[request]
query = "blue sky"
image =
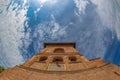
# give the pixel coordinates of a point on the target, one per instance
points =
(27, 24)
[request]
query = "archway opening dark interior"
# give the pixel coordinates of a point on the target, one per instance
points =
(73, 59)
(58, 60)
(59, 50)
(43, 58)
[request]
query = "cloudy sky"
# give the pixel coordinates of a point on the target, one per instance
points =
(26, 24)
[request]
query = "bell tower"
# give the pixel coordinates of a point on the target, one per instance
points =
(62, 61)
(60, 57)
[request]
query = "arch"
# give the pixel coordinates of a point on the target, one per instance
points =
(57, 60)
(72, 58)
(59, 50)
(43, 58)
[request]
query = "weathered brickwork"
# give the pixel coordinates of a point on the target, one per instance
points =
(61, 61)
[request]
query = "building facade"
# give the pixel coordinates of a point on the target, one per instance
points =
(61, 61)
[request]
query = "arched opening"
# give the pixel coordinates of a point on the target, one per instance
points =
(59, 50)
(58, 60)
(43, 58)
(73, 59)
(57, 64)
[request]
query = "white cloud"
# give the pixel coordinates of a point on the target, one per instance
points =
(109, 13)
(53, 30)
(11, 27)
(81, 5)
(3, 4)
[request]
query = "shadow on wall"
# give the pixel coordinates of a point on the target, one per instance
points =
(113, 52)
